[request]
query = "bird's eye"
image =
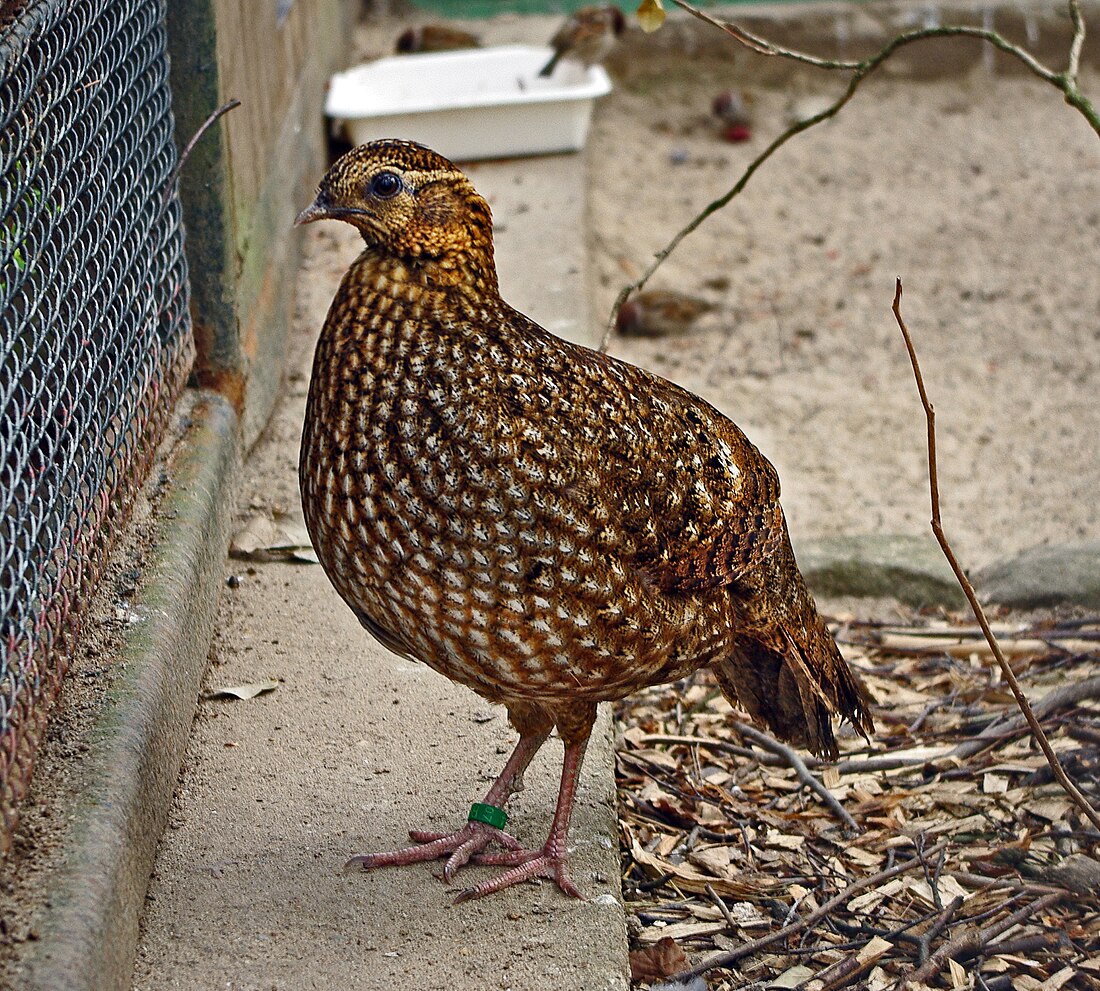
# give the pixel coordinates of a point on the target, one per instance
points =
(385, 185)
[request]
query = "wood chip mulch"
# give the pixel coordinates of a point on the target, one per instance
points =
(943, 856)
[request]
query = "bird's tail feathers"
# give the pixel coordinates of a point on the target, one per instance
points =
(550, 66)
(795, 685)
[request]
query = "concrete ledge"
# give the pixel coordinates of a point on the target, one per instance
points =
(89, 934)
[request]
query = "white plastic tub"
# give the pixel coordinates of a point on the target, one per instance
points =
(481, 103)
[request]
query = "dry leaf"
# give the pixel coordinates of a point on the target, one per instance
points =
(713, 859)
(874, 950)
(282, 538)
(1051, 809)
(680, 930)
(663, 959)
(651, 15)
(792, 977)
(687, 878)
(690, 984)
(243, 692)
(1055, 981)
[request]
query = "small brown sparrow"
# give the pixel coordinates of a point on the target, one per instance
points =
(587, 36)
(660, 313)
(435, 38)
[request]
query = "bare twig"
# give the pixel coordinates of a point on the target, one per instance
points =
(1027, 945)
(939, 923)
(722, 907)
(779, 755)
(1009, 882)
(190, 146)
(968, 590)
(730, 957)
(973, 941)
(1065, 695)
(1065, 81)
(805, 775)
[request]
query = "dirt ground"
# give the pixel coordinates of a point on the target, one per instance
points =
(981, 193)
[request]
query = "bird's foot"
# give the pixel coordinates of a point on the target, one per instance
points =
(526, 866)
(459, 847)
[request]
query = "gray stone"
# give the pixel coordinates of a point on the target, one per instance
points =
(909, 568)
(1051, 575)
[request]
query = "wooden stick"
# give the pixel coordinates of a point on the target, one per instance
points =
(968, 590)
(805, 775)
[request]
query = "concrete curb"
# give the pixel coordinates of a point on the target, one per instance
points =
(89, 935)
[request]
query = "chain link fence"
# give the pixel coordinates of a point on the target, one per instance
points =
(95, 338)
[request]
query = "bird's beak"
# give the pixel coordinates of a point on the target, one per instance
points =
(322, 209)
(317, 210)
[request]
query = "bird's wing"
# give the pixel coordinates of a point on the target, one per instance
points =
(704, 499)
(695, 503)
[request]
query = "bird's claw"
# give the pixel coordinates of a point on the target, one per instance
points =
(459, 847)
(535, 864)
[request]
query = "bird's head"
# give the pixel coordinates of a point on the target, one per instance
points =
(410, 203)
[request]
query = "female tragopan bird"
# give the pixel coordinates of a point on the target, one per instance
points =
(541, 522)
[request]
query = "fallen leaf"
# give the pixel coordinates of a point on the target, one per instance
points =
(281, 538)
(681, 930)
(243, 692)
(691, 984)
(713, 859)
(874, 950)
(651, 15)
(688, 878)
(663, 959)
(792, 977)
(1055, 981)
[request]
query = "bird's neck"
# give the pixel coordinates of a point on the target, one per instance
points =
(468, 272)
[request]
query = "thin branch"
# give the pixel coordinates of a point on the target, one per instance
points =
(805, 775)
(973, 941)
(722, 907)
(859, 70)
(941, 922)
(1078, 42)
(190, 146)
(768, 48)
(994, 733)
(731, 957)
(968, 590)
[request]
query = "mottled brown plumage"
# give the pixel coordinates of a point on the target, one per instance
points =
(541, 522)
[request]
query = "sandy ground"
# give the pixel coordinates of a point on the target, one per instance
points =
(981, 193)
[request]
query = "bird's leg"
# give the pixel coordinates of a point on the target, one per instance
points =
(550, 861)
(474, 836)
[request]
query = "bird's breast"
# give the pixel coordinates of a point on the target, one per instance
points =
(450, 498)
